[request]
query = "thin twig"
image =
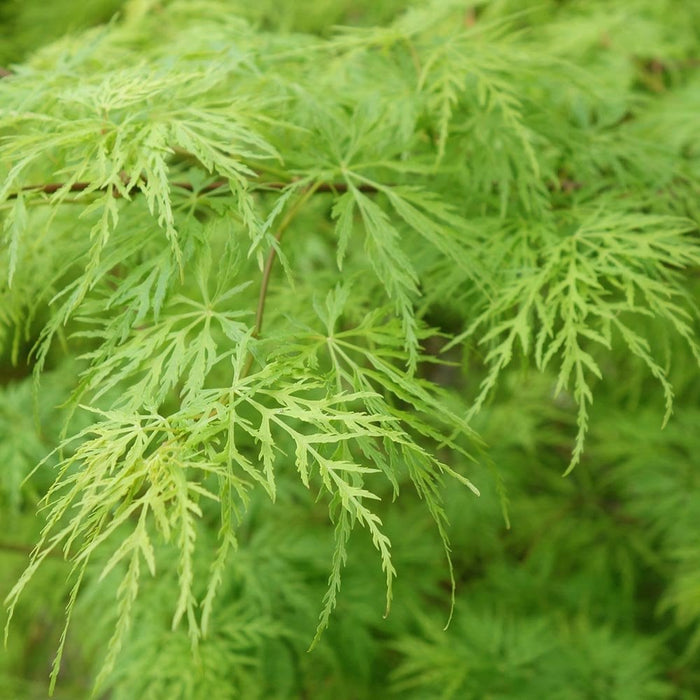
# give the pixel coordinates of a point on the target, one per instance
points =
(269, 264)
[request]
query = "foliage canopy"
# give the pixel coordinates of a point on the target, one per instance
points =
(291, 282)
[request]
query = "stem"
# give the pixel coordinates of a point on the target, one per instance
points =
(269, 264)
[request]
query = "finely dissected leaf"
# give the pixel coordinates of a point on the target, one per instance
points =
(15, 223)
(608, 271)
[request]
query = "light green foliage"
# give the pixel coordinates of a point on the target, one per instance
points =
(315, 312)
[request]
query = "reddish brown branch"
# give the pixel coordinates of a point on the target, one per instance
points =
(53, 187)
(270, 262)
